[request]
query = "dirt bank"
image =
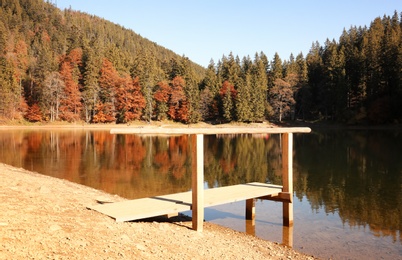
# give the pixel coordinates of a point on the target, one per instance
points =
(44, 217)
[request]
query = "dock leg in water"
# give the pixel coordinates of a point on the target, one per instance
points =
(250, 209)
(287, 176)
(197, 157)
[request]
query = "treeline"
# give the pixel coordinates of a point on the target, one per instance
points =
(70, 66)
(358, 78)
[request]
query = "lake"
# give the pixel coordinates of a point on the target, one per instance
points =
(347, 183)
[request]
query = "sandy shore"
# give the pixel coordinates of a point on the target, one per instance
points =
(44, 217)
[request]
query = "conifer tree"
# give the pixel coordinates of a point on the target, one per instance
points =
(259, 89)
(243, 102)
(315, 75)
(90, 88)
(209, 95)
(276, 71)
(227, 95)
(10, 93)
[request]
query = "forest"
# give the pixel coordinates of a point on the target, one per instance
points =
(65, 65)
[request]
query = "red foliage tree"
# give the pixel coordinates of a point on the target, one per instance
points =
(226, 86)
(21, 60)
(178, 105)
(161, 96)
(104, 113)
(108, 80)
(130, 101)
(71, 105)
(162, 93)
(33, 113)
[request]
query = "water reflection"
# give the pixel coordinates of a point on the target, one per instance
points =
(355, 175)
(134, 166)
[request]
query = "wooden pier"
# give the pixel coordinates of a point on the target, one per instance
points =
(198, 198)
(173, 203)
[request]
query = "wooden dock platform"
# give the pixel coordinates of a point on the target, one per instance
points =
(199, 198)
(179, 202)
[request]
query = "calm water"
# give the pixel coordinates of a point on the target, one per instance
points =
(348, 184)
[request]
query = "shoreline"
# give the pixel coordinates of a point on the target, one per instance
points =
(47, 217)
(171, 124)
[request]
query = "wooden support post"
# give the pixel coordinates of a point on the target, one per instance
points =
(197, 208)
(287, 236)
(250, 227)
(250, 209)
(250, 216)
(287, 176)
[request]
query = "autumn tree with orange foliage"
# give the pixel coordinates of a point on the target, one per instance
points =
(130, 101)
(71, 105)
(33, 113)
(281, 98)
(161, 97)
(20, 60)
(178, 104)
(106, 108)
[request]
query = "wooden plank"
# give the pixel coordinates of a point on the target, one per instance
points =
(179, 202)
(238, 192)
(140, 208)
(209, 130)
(228, 194)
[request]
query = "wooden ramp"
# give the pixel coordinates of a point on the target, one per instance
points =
(178, 202)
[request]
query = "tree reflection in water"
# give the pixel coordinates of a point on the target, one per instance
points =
(355, 174)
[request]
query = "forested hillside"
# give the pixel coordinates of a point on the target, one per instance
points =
(70, 66)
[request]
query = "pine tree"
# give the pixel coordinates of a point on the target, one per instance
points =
(210, 86)
(244, 90)
(259, 83)
(276, 71)
(90, 88)
(227, 95)
(315, 76)
(373, 51)
(303, 90)
(6, 77)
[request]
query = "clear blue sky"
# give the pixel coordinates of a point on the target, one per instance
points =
(207, 29)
